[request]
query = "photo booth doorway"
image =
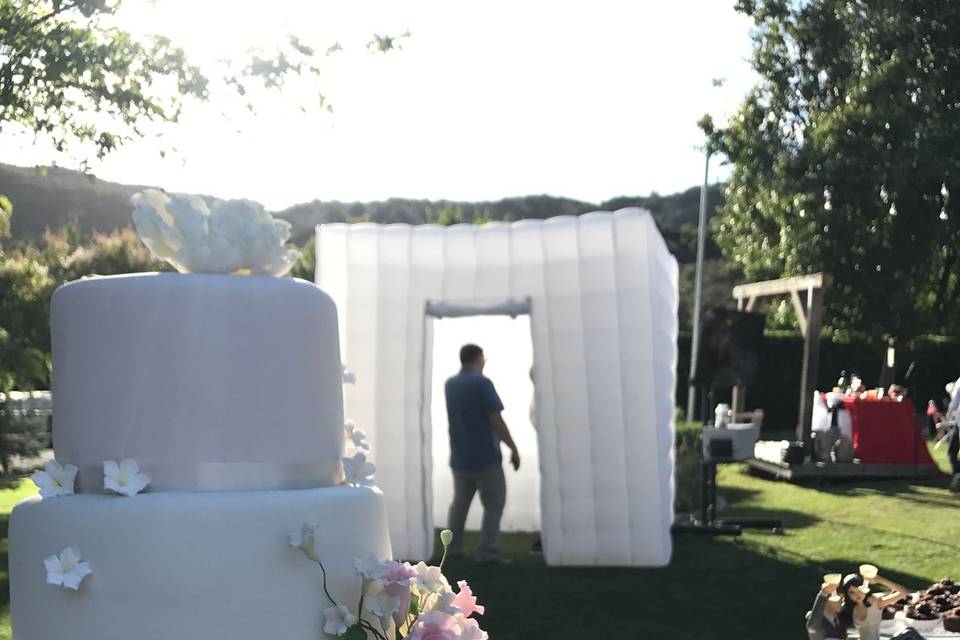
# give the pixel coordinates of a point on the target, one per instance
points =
(508, 349)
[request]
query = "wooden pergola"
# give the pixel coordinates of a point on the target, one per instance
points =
(806, 294)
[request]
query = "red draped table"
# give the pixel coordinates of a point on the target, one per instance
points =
(885, 431)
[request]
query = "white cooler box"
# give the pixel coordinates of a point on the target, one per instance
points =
(743, 437)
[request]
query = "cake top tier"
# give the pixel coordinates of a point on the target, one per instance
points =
(209, 381)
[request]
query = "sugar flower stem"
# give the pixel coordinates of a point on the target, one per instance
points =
(369, 627)
(365, 624)
(443, 558)
(327, 593)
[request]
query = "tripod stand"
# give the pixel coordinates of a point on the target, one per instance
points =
(719, 451)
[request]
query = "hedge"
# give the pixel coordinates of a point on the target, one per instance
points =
(777, 387)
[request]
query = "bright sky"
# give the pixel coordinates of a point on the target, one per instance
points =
(588, 100)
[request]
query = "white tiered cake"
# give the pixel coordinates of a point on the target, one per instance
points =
(227, 392)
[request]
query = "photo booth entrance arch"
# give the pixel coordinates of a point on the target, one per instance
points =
(508, 348)
(602, 296)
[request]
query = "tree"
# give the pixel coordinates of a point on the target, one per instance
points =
(306, 266)
(105, 255)
(844, 157)
(68, 75)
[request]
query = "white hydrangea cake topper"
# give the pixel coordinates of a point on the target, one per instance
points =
(55, 480)
(124, 478)
(67, 570)
(227, 236)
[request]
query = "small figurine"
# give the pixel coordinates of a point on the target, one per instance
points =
(823, 620)
(863, 609)
(897, 392)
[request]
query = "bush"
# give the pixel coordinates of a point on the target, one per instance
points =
(686, 470)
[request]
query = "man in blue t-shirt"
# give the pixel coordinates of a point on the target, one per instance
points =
(476, 431)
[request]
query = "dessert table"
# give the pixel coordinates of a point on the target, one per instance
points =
(890, 628)
(885, 431)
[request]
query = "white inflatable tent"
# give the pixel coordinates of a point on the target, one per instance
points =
(601, 291)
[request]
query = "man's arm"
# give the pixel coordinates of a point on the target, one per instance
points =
(954, 400)
(815, 617)
(498, 425)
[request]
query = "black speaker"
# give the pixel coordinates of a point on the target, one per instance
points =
(729, 350)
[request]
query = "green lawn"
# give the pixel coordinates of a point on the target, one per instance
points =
(8, 498)
(755, 587)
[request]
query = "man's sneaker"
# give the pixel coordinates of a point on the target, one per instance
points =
(955, 483)
(537, 546)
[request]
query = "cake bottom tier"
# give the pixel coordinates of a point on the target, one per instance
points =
(191, 566)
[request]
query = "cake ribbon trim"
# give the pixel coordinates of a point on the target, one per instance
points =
(225, 476)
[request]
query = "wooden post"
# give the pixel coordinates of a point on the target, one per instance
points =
(811, 362)
(739, 393)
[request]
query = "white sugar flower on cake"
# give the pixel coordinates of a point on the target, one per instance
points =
(67, 570)
(356, 435)
(337, 620)
(383, 606)
(357, 471)
(442, 601)
(55, 480)
(370, 567)
(306, 540)
(232, 236)
(416, 599)
(124, 478)
(429, 578)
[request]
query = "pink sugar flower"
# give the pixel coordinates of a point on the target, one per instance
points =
(466, 601)
(397, 573)
(434, 625)
(397, 579)
(471, 629)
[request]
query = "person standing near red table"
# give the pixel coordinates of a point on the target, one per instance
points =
(953, 448)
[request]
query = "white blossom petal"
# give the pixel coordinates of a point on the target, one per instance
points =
(124, 478)
(357, 471)
(370, 567)
(306, 540)
(429, 578)
(66, 570)
(382, 606)
(443, 602)
(55, 480)
(52, 564)
(129, 467)
(337, 620)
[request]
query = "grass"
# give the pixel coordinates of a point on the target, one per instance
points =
(757, 586)
(8, 498)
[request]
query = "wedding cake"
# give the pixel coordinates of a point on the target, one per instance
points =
(198, 420)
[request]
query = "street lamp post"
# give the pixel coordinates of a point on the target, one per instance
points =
(697, 286)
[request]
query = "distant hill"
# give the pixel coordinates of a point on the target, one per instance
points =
(60, 196)
(51, 200)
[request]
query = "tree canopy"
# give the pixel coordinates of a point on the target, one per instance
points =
(67, 75)
(844, 158)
